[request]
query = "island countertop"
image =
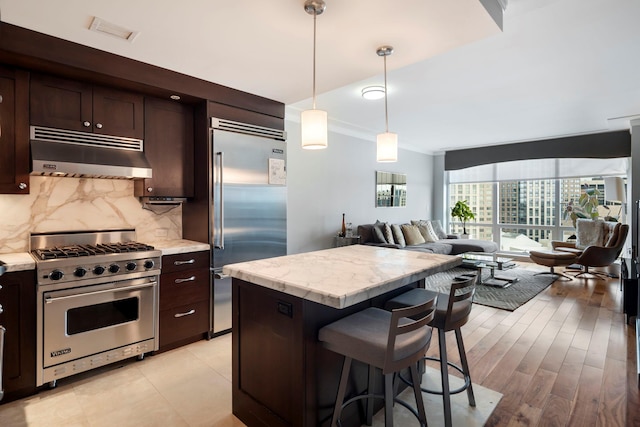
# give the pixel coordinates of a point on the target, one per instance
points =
(344, 276)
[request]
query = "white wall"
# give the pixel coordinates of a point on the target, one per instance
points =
(324, 184)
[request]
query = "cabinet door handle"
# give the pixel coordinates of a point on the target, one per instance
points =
(188, 313)
(188, 279)
(191, 261)
(1, 309)
(22, 185)
(99, 125)
(86, 124)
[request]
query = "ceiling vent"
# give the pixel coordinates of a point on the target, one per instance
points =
(102, 26)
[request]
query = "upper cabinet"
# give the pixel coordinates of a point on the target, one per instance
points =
(14, 131)
(168, 145)
(73, 105)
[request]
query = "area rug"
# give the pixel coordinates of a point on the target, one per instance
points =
(527, 287)
(461, 413)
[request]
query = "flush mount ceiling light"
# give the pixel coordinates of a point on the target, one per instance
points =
(373, 92)
(387, 142)
(101, 26)
(313, 123)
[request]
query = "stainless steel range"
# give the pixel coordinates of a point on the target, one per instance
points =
(97, 300)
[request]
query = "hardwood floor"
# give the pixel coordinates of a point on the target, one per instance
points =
(566, 358)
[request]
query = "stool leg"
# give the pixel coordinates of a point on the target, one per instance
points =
(415, 379)
(370, 391)
(444, 373)
(465, 366)
(342, 388)
(388, 400)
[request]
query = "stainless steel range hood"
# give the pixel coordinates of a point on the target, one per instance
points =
(57, 152)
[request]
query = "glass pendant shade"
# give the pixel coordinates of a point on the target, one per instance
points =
(387, 147)
(314, 129)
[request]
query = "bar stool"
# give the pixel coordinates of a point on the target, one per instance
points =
(390, 341)
(452, 312)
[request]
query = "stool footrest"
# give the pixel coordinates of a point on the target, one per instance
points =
(467, 379)
(379, 396)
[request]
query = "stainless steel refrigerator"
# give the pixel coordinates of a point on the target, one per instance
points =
(248, 204)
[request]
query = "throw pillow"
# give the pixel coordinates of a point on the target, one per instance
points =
(431, 232)
(439, 230)
(378, 235)
(398, 236)
(388, 234)
(412, 234)
(426, 230)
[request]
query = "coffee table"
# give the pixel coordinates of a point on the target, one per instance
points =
(480, 260)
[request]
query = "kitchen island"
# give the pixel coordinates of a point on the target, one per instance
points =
(282, 376)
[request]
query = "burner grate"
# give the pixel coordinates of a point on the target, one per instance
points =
(89, 250)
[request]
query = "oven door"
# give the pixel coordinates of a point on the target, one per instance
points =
(83, 321)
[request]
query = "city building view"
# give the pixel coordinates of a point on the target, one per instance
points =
(524, 215)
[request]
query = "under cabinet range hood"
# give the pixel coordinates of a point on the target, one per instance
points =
(58, 152)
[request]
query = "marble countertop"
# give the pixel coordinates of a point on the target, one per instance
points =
(180, 246)
(341, 277)
(20, 261)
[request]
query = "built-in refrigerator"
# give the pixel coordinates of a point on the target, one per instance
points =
(248, 204)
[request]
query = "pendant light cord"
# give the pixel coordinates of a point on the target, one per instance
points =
(314, 59)
(386, 114)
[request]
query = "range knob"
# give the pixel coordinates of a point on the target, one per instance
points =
(131, 266)
(149, 264)
(80, 272)
(114, 268)
(98, 269)
(56, 275)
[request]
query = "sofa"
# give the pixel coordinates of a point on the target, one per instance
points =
(420, 235)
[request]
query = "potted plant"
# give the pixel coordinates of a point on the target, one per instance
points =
(587, 206)
(463, 212)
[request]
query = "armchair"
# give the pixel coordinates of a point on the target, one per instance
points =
(598, 254)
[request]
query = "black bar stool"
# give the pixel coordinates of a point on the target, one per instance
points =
(452, 312)
(390, 341)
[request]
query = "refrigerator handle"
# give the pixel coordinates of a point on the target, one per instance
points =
(220, 243)
(2, 331)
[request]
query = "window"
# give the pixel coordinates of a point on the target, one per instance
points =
(528, 214)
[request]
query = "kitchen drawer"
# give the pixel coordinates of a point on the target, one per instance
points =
(184, 287)
(176, 329)
(186, 261)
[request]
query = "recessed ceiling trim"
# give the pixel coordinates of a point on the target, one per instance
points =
(99, 25)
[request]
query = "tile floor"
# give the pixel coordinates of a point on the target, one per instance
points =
(189, 386)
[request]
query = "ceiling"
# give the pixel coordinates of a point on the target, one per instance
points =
(559, 67)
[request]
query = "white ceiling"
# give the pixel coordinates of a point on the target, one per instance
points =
(560, 67)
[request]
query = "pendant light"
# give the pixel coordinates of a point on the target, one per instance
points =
(314, 122)
(387, 142)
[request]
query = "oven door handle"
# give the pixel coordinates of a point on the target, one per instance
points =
(49, 300)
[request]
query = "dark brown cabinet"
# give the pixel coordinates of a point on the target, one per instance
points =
(168, 145)
(184, 299)
(14, 131)
(18, 316)
(78, 106)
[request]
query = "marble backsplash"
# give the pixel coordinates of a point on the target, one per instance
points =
(72, 204)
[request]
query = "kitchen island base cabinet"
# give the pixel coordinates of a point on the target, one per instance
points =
(282, 375)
